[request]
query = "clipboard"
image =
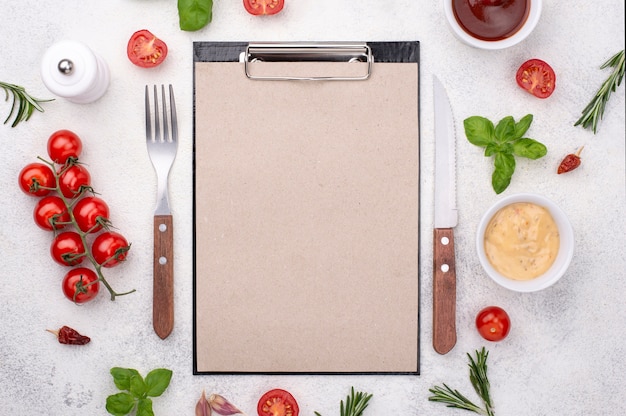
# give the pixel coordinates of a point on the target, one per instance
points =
(306, 208)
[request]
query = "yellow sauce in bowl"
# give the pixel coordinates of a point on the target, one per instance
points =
(522, 241)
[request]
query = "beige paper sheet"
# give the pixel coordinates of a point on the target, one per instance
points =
(306, 221)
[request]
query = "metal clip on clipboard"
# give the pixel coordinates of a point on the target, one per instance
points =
(308, 52)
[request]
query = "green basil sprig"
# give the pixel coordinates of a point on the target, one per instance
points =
(137, 391)
(503, 141)
(194, 14)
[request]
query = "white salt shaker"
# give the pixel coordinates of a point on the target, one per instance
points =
(71, 70)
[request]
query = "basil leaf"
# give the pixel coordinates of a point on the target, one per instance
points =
(144, 407)
(121, 377)
(504, 167)
(503, 141)
(529, 148)
(138, 387)
(505, 130)
(120, 404)
(194, 14)
(157, 381)
(479, 130)
(491, 149)
(522, 126)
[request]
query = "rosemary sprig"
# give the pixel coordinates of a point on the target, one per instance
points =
(452, 398)
(592, 114)
(355, 404)
(478, 378)
(480, 382)
(23, 104)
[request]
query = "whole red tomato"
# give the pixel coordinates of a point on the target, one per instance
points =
(73, 180)
(277, 402)
(110, 248)
(263, 7)
(91, 213)
(80, 285)
(67, 249)
(50, 213)
(64, 144)
(36, 179)
(493, 323)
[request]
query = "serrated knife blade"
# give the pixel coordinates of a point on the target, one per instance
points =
(445, 219)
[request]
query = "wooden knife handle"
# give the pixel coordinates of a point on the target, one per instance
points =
(444, 290)
(163, 285)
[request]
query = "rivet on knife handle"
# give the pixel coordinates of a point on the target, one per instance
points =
(444, 290)
(163, 289)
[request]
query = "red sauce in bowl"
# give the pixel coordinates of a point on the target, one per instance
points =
(491, 20)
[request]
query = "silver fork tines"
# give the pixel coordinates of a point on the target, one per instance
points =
(161, 145)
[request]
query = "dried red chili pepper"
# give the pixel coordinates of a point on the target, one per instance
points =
(571, 162)
(67, 335)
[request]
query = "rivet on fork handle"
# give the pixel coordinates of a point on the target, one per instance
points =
(163, 269)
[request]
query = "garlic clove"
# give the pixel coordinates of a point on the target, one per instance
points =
(222, 406)
(202, 407)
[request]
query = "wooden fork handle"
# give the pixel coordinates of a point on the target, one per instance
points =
(163, 285)
(444, 290)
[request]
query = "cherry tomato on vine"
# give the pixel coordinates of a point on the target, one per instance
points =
(109, 249)
(536, 77)
(64, 144)
(35, 177)
(263, 7)
(80, 285)
(74, 180)
(493, 323)
(67, 249)
(146, 50)
(91, 213)
(277, 402)
(50, 213)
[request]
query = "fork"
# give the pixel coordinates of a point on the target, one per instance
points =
(162, 151)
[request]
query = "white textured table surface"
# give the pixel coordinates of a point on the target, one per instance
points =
(565, 354)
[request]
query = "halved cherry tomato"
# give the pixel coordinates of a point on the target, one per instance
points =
(74, 180)
(493, 323)
(91, 213)
(34, 178)
(80, 285)
(536, 77)
(109, 249)
(261, 7)
(277, 402)
(67, 249)
(146, 50)
(50, 213)
(64, 144)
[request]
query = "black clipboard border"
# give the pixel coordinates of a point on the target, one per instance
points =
(383, 51)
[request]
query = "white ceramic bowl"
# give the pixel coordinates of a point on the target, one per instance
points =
(563, 258)
(533, 18)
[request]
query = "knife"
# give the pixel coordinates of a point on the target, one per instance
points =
(444, 270)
